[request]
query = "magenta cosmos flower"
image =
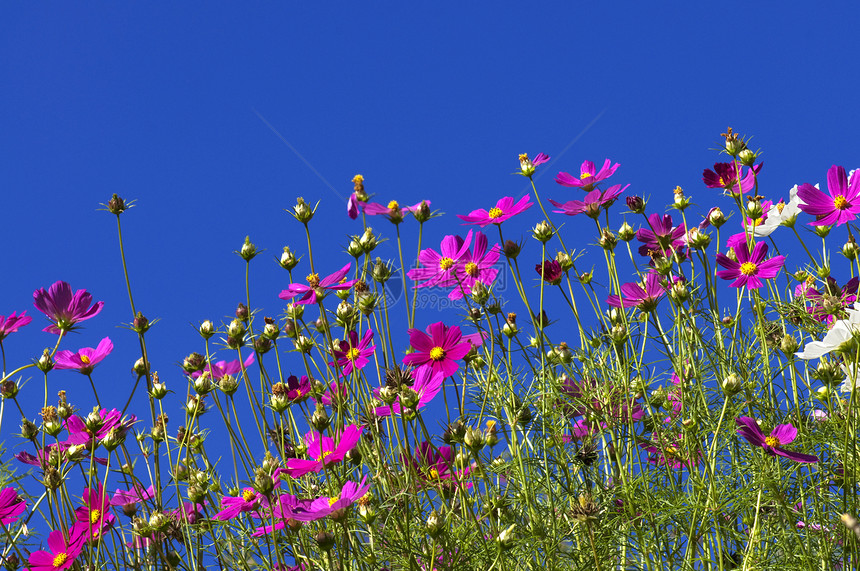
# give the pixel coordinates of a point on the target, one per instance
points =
(840, 206)
(750, 268)
(504, 209)
(550, 271)
(321, 507)
(323, 451)
(634, 295)
(94, 517)
(592, 203)
(86, 359)
(725, 176)
(11, 506)
(393, 210)
(435, 464)
(352, 206)
(64, 308)
(426, 384)
(661, 237)
(12, 323)
(442, 268)
(527, 165)
(317, 287)
(132, 496)
(588, 177)
(438, 349)
(298, 389)
(223, 368)
(780, 436)
(109, 421)
(477, 266)
(61, 556)
(354, 354)
(829, 305)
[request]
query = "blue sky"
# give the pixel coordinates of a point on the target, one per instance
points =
(177, 107)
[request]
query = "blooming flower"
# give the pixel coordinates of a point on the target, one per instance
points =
(780, 214)
(439, 348)
(223, 368)
(11, 506)
(841, 205)
(661, 237)
(426, 384)
(504, 209)
(592, 203)
(435, 464)
(94, 517)
(843, 330)
(832, 302)
(671, 452)
(63, 308)
(248, 500)
(393, 210)
(132, 496)
(354, 354)
(317, 287)
(12, 323)
(108, 421)
(527, 166)
(477, 266)
(86, 359)
(750, 268)
(324, 451)
(321, 507)
(780, 436)
(725, 176)
(442, 269)
(298, 389)
(634, 295)
(62, 554)
(587, 177)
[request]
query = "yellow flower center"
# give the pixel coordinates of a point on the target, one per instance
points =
(584, 175)
(472, 269)
(671, 452)
(95, 515)
(748, 268)
(840, 202)
(772, 441)
(358, 178)
(524, 157)
(495, 212)
(445, 263)
(313, 280)
(779, 206)
(434, 473)
(353, 354)
(331, 501)
(59, 559)
(85, 360)
(393, 205)
(437, 353)
(248, 494)
(326, 454)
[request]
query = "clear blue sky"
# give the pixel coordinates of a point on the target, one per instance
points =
(163, 104)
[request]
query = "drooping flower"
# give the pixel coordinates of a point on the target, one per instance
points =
(551, 271)
(62, 555)
(393, 211)
(12, 323)
(324, 451)
(725, 176)
(593, 202)
(63, 308)
(780, 436)
(439, 348)
(86, 359)
(504, 209)
(477, 266)
(527, 166)
(223, 368)
(662, 237)
(11, 506)
(317, 287)
(445, 268)
(841, 205)
(635, 295)
(354, 354)
(588, 176)
(426, 385)
(321, 507)
(750, 268)
(352, 206)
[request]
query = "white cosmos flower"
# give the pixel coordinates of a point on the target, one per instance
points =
(850, 382)
(780, 214)
(843, 330)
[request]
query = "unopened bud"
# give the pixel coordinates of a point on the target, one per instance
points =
(302, 212)
(248, 250)
(288, 260)
(626, 232)
(140, 367)
(45, 362)
(542, 231)
(207, 329)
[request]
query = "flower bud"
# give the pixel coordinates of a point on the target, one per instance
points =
(480, 293)
(354, 248)
(788, 345)
(304, 344)
(52, 478)
(821, 231)
(368, 241)
(140, 324)
(607, 240)
(195, 406)
(271, 329)
(511, 249)
(747, 157)
(319, 419)
(679, 292)
(716, 217)
(636, 204)
(681, 202)
(29, 430)
(473, 438)
(732, 385)
(248, 250)
(422, 213)
(388, 395)
(140, 367)
(367, 303)
(228, 384)
(626, 232)
(325, 540)
(506, 537)
(45, 362)
(408, 397)
(619, 334)
(159, 521)
(302, 212)
(754, 209)
(542, 232)
(288, 260)
(159, 389)
(116, 205)
(381, 272)
(697, 239)
(207, 329)
(434, 524)
(850, 250)
(202, 384)
(236, 329)
(9, 389)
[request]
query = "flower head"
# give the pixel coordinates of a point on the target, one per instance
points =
(62, 555)
(63, 308)
(223, 368)
(843, 330)
(86, 359)
(725, 176)
(321, 507)
(442, 268)
(11, 506)
(527, 166)
(662, 237)
(593, 202)
(841, 205)
(780, 436)
(324, 451)
(426, 384)
(439, 348)
(635, 295)
(435, 465)
(550, 271)
(750, 268)
(588, 176)
(504, 209)
(12, 323)
(393, 211)
(477, 266)
(354, 354)
(316, 287)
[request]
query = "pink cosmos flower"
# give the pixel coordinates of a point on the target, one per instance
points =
(445, 268)
(527, 166)
(393, 211)
(593, 202)
(284, 509)
(504, 209)
(321, 507)
(352, 206)
(435, 464)
(94, 518)
(249, 500)
(550, 270)
(477, 267)
(587, 177)
(426, 384)
(12, 323)
(334, 389)
(438, 349)
(634, 295)
(841, 205)
(62, 554)
(780, 436)
(670, 451)
(354, 354)
(662, 237)
(750, 268)
(725, 176)
(132, 496)
(830, 304)
(11, 506)
(86, 359)
(298, 389)
(317, 287)
(80, 434)
(63, 308)
(323, 451)
(221, 369)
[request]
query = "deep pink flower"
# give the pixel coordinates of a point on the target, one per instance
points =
(249, 500)
(527, 166)
(11, 506)
(439, 348)
(840, 206)
(94, 517)
(393, 211)
(352, 206)
(587, 176)
(298, 389)
(62, 554)
(644, 298)
(321, 507)
(12, 323)
(334, 389)
(750, 268)
(445, 268)
(477, 265)
(63, 308)
(110, 420)
(725, 176)
(504, 209)
(426, 384)
(830, 304)
(550, 270)
(435, 464)
(285, 508)
(86, 359)
(323, 451)
(132, 496)
(221, 369)
(354, 354)
(317, 287)
(593, 202)
(780, 436)
(670, 451)
(662, 237)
